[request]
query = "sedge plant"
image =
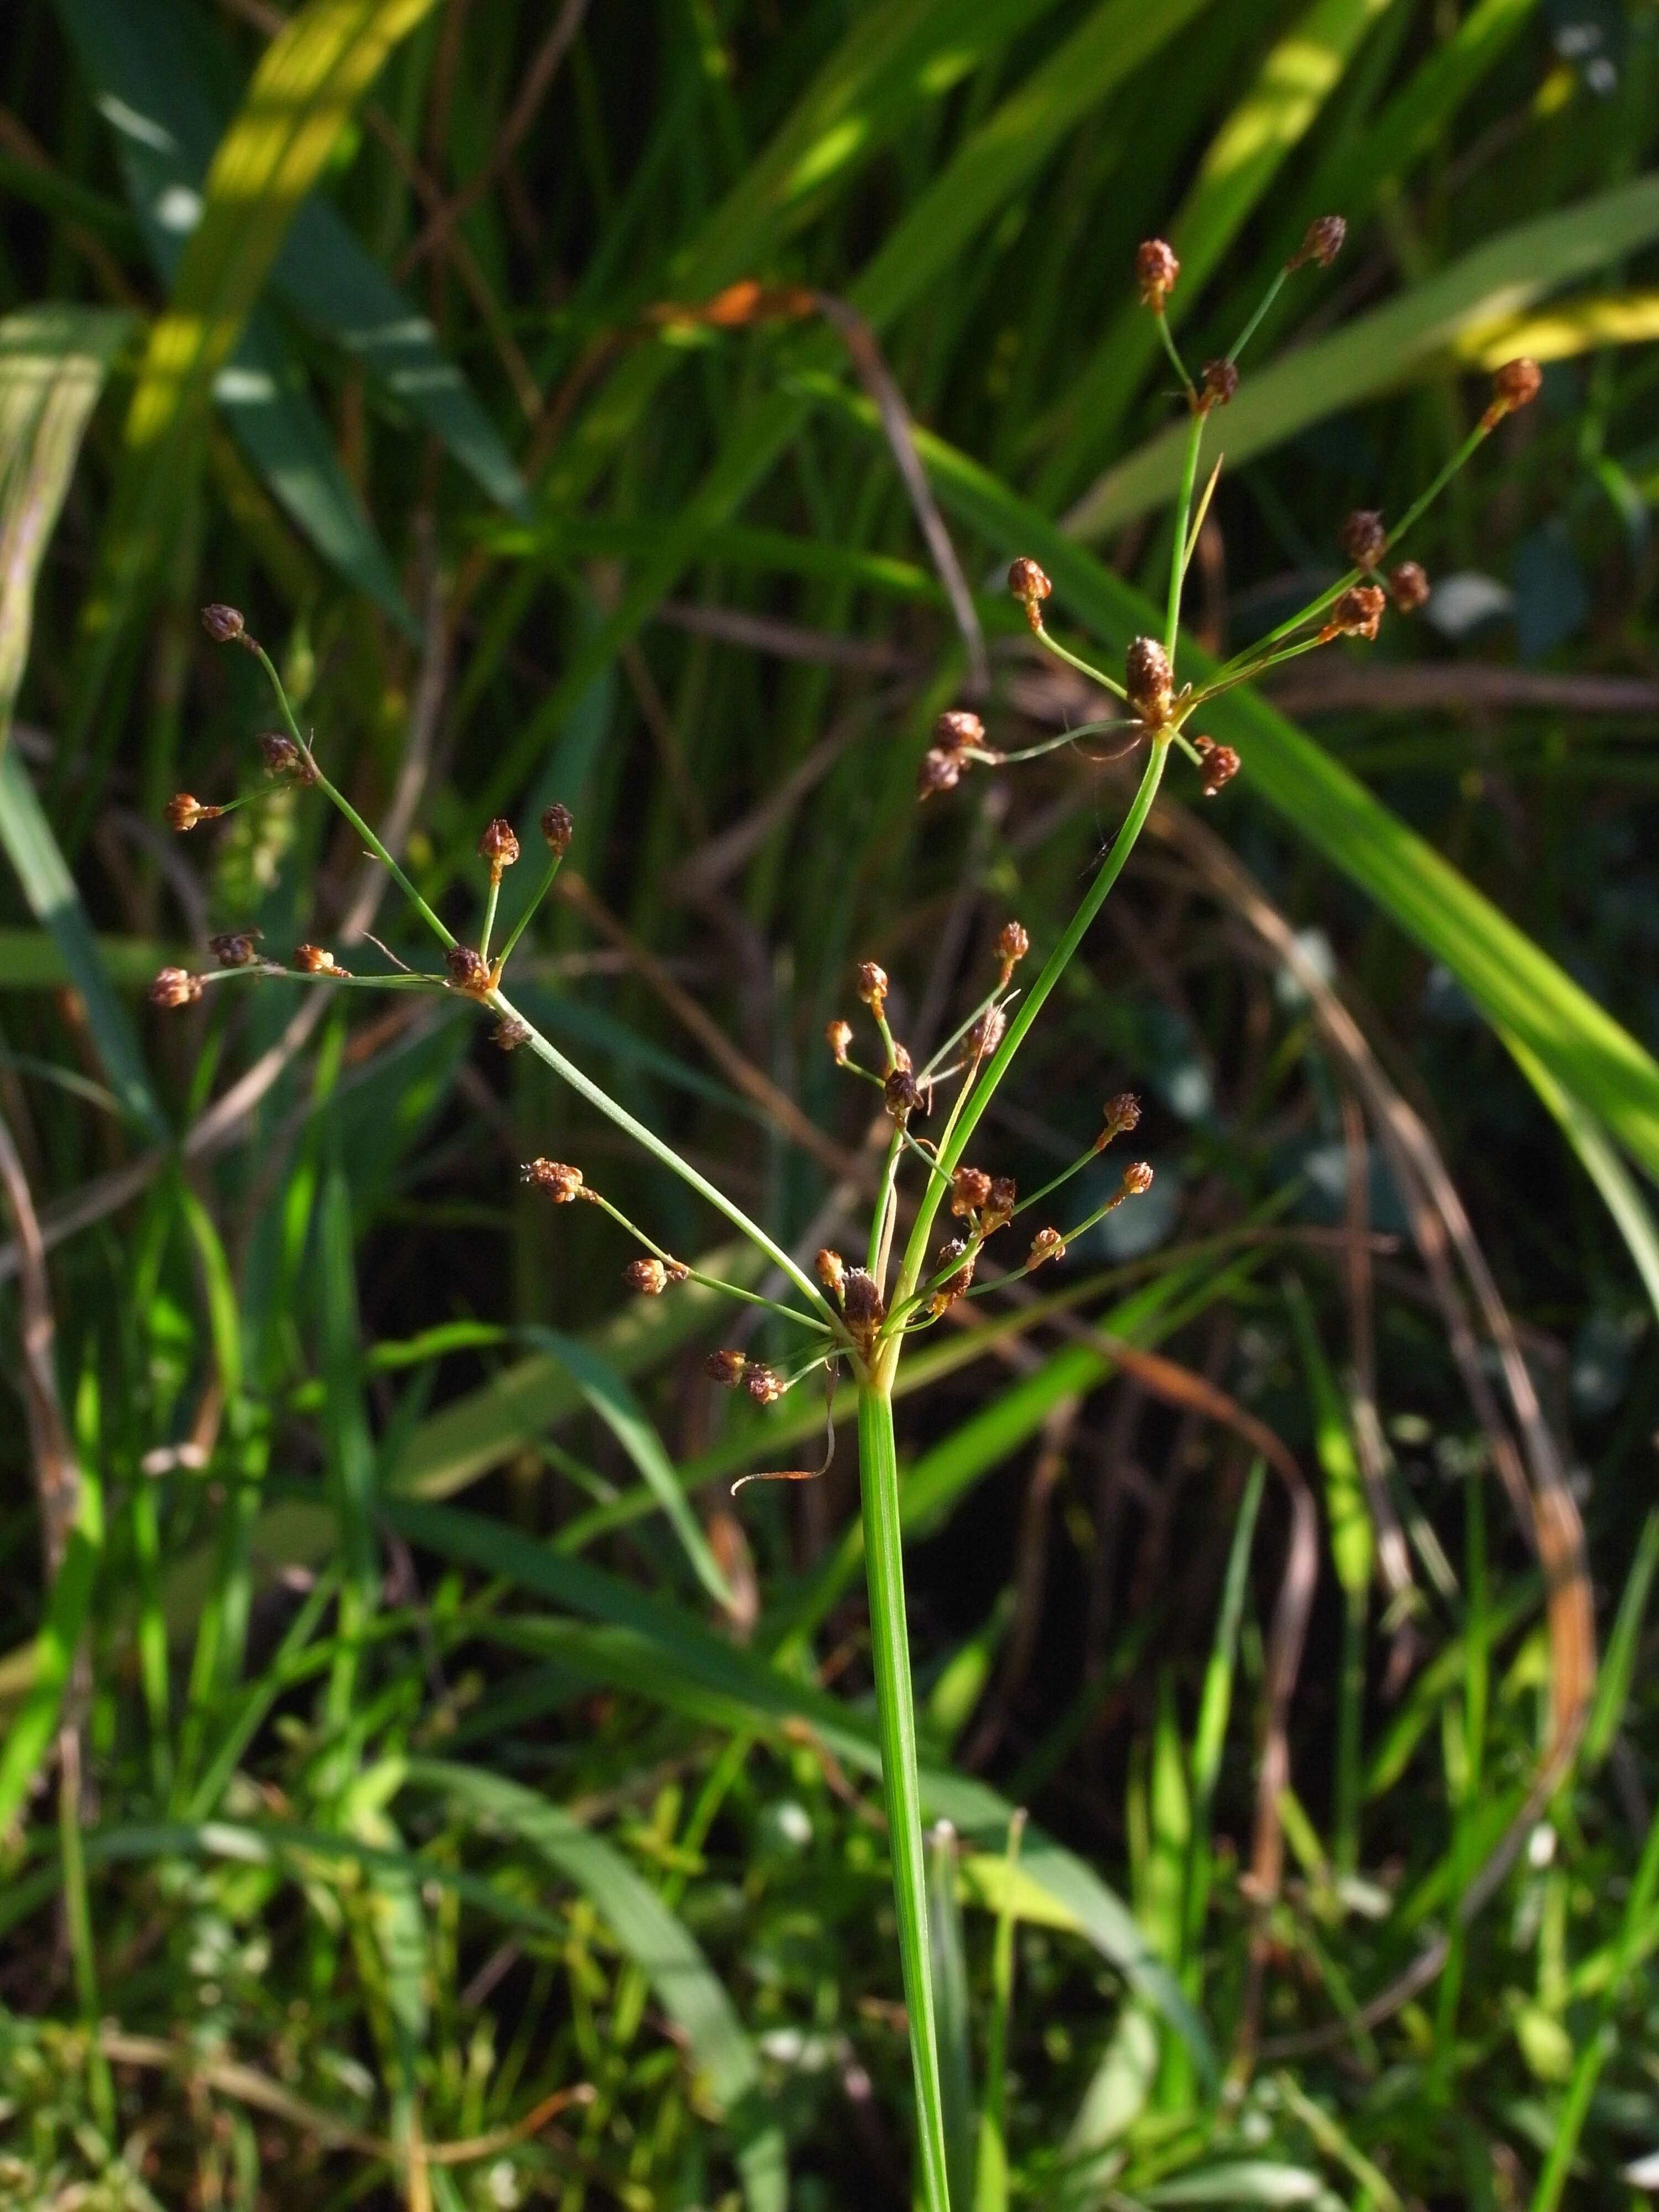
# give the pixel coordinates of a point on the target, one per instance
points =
(860, 1315)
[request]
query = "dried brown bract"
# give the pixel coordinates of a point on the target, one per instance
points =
(832, 1271)
(558, 828)
(1119, 1116)
(184, 812)
(838, 1036)
(763, 1385)
(987, 1033)
(1363, 538)
(1137, 1179)
(648, 1276)
(1047, 1244)
(509, 1033)
(1357, 613)
(871, 982)
(1014, 943)
(970, 1189)
(863, 1305)
(940, 771)
(1149, 680)
(956, 1286)
(726, 1368)
(315, 960)
(902, 1095)
(999, 1209)
(224, 624)
(499, 846)
(959, 728)
(1217, 383)
(1219, 765)
(561, 1184)
(1322, 241)
(1156, 271)
(175, 986)
(1030, 587)
(1409, 586)
(282, 756)
(468, 970)
(236, 948)
(1515, 386)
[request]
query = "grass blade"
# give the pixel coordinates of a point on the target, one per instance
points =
(657, 1942)
(951, 2001)
(55, 1647)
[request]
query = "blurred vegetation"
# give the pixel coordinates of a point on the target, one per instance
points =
(391, 1816)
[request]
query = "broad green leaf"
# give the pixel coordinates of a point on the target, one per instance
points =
(54, 362)
(610, 1398)
(662, 1653)
(1519, 988)
(1243, 2183)
(299, 101)
(654, 1939)
(1412, 335)
(167, 90)
(1297, 76)
(1583, 324)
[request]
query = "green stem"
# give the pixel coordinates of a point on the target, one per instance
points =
(1183, 512)
(1173, 352)
(896, 1714)
(523, 920)
(491, 902)
(953, 1147)
(1045, 638)
(1254, 323)
(695, 1274)
(665, 1153)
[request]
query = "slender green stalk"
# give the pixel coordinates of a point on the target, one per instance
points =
(1173, 352)
(896, 1716)
(648, 1139)
(953, 1147)
(1182, 513)
(77, 1922)
(990, 2174)
(492, 900)
(528, 913)
(1047, 638)
(1254, 323)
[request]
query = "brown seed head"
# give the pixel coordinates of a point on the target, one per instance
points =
(1322, 241)
(1136, 1178)
(953, 1286)
(237, 948)
(1029, 586)
(184, 812)
(832, 1271)
(1047, 1244)
(903, 1094)
(761, 1384)
(1515, 386)
(648, 1276)
(281, 755)
(1409, 586)
(1118, 1116)
(562, 1184)
(959, 728)
(1012, 945)
(725, 1367)
(510, 1033)
(838, 1036)
(558, 826)
(1363, 538)
(314, 960)
(1357, 613)
(1148, 679)
(1156, 271)
(224, 624)
(862, 1303)
(469, 971)
(986, 1034)
(940, 771)
(970, 1189)
(175, 986)
(499, 846)
(1217, 384)
(871, 985)
(1221, 765)
(999, 1208)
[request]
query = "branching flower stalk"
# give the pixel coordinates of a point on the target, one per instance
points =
(861, 1317)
